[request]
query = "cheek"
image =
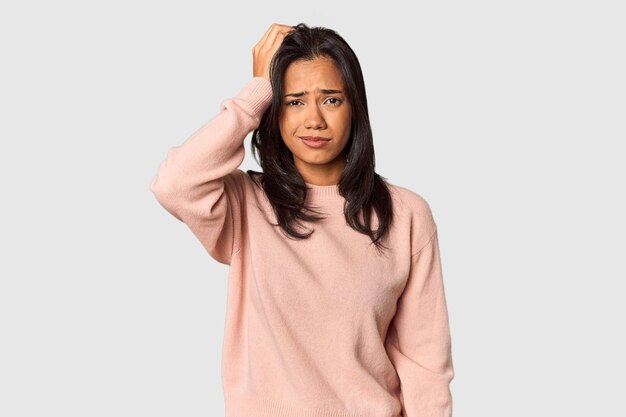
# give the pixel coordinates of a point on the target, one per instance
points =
(344, 122)
(286, 126)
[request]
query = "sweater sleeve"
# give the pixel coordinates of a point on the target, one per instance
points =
(199, 182)
(418, 341)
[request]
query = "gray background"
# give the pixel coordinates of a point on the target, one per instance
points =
(508, 117)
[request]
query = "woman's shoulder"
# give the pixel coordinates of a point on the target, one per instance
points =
(409, 201)
(254, 192)
(414, 212)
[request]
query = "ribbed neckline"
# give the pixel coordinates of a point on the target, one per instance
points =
(323, 192)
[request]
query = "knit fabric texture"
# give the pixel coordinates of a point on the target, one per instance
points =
(319, 327)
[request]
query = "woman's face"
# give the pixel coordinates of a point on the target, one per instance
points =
(310, 108)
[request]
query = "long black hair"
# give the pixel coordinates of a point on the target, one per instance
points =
(363, 189)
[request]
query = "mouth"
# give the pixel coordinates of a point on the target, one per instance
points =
(314, 141)
(313, 138)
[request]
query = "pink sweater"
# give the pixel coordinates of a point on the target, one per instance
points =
(321, 327)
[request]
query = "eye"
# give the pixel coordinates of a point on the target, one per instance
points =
(298, 102)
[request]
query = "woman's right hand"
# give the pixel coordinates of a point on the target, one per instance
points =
(264, 50)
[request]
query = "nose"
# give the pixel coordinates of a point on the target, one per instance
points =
(314, 118)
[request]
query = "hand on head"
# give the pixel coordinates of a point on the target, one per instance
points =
(264, 50)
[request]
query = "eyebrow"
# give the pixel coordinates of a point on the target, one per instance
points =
(323, 91)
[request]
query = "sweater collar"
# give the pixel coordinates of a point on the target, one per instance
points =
(323, 192)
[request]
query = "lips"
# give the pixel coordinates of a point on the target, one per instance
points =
(314, 142)
(314, 138)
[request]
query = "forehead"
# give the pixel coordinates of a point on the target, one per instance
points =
(312, 75)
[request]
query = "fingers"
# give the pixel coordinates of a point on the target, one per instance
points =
(264, 50)
(272, 33)
(265, 35)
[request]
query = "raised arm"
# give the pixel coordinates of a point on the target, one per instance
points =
(199, 182)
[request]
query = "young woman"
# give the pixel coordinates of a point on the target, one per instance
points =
(336, 304)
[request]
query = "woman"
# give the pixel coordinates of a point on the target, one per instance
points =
(336, 303)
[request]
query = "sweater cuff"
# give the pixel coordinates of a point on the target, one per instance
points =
(257, 94)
